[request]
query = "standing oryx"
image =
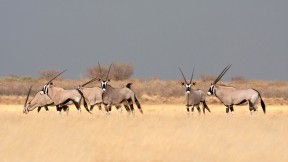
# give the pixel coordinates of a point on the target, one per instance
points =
(230, 96)
(61, 97)
(193, 97)
(117, 96)
(92, 95)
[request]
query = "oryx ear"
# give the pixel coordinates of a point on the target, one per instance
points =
(182, 83)
(194, 83)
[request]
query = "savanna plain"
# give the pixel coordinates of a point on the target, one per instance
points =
(163, 133)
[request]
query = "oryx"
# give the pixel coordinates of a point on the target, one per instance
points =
(61, 97)
(92, 95)
(39, 100)
(117, 96)
(193, 97)
(230, 96)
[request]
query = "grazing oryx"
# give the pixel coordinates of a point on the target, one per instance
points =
(117, 96)
(40, 100)
(61, 97)
(230, 96)
(193, 97)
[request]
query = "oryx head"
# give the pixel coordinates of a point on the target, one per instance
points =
(25, 110)
(104, 83)
(44, 90)
(188, 86)
(211, 90)
(49, 84)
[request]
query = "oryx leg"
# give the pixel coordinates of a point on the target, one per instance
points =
(108, 109)
(130, 102)
(39, 108)
(77, 105)
(192, 109)
(58, 108)
(119, 108)
(126, 105)
(65, 109)
(227, 109)
(46, 108)
(231, 109)
(99, 107)
(252, 108)
(205, 107)
(127, 108)
(91, 107)
(198, 108)
(188, 109)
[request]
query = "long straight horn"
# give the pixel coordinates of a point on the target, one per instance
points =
(183, 75)
(28, 96)
(90, 81)
(56, 76)
(108, 72)
(100, 69)
(192, 76)
(222, 74)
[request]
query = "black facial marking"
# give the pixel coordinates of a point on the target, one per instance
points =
(188, 87)
(211, 89)
(104, 85)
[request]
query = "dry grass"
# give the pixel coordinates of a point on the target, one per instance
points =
(163, 133)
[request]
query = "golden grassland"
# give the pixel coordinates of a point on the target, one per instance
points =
(163, 133)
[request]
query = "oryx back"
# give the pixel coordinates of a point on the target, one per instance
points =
(62, 96)
(114, 96)
(93, 95)
(233, 96)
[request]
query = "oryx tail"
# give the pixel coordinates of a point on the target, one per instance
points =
(84, 100)
(135, 98)
(262, 102)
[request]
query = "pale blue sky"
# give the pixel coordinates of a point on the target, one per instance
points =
(155, 36)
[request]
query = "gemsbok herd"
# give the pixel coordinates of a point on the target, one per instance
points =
(109, 96)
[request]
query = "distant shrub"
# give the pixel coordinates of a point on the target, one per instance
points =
(117, 72)
(94, 71)
(238, 79)
(13, 78)
(49, 74)
(121, 71)
(206, 78)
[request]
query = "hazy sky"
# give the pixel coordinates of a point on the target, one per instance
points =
(155, 36)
